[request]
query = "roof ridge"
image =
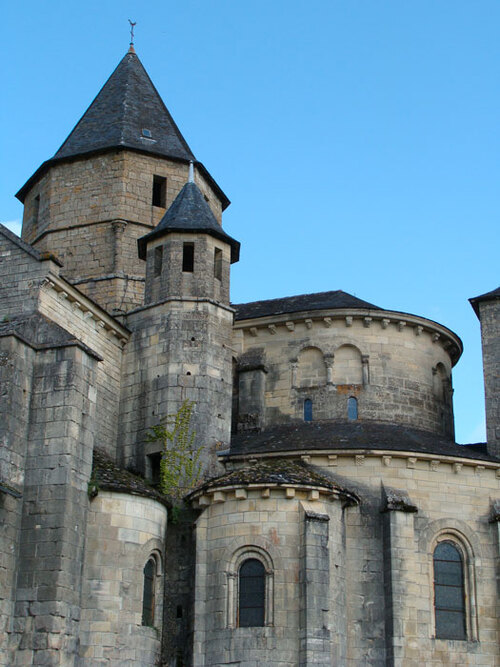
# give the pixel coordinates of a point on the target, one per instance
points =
(124, 101)
(296, 296)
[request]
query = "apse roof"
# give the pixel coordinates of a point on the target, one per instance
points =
(189, 212)
(301, 302)
(330, 435)
(276, 472)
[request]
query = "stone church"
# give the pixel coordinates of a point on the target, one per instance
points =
(337, 522)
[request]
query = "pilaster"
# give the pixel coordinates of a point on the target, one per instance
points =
(400, 572)
(314, 580)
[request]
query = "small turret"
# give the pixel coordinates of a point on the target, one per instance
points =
(187, 322)
(188, 254)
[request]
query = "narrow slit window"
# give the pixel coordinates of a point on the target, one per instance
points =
(449, 592)
(218, 263)
(148, 596)
(36, 210)
(252, 594)
(158, 260)
(352, 408)
(159, 191)
(188, 257)
(308, 410)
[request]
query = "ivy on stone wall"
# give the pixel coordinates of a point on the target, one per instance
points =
(180, 466)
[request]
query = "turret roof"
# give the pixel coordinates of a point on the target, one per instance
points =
(128, 112)
(190, 213)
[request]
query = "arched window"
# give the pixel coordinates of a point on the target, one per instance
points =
(352, 408)
(252, 593)
(308, 410)
(449, 592)
(250, 588)
(148, 594)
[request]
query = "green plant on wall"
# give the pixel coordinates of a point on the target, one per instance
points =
(180, 466)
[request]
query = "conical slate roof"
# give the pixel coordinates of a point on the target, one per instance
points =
(190, 213)
(127, 112)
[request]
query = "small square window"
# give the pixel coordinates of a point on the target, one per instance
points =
(159, 191)
(146, 133)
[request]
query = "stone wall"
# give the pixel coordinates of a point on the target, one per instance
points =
(58, 462)
(169, 279)
(16, 359)
(179, 350)
(21, 274)
(90, 213)
(105, 337)
(123, 532)
(398, 369)
(379, 601)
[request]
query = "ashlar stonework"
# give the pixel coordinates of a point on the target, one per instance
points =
(331, 482)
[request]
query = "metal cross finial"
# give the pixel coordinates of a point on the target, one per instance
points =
(132, 25)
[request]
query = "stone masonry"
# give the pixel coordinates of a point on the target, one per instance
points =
(335, 523)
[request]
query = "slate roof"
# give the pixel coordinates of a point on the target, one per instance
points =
(189, 212)
(126, 104)
(489, 296)
(352, 435)
(274, 472)
(106, 475)
(295, 304)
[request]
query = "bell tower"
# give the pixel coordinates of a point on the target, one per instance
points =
(110, 183)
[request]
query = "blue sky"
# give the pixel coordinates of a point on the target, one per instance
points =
(357, 140)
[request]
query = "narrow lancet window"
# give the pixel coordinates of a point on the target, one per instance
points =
(449, 593)
(218, 263)
(252, 594)
(308, 410)
(158, 260)
(352, 408)
(148, 596)
(188, 257)
(36, 210)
